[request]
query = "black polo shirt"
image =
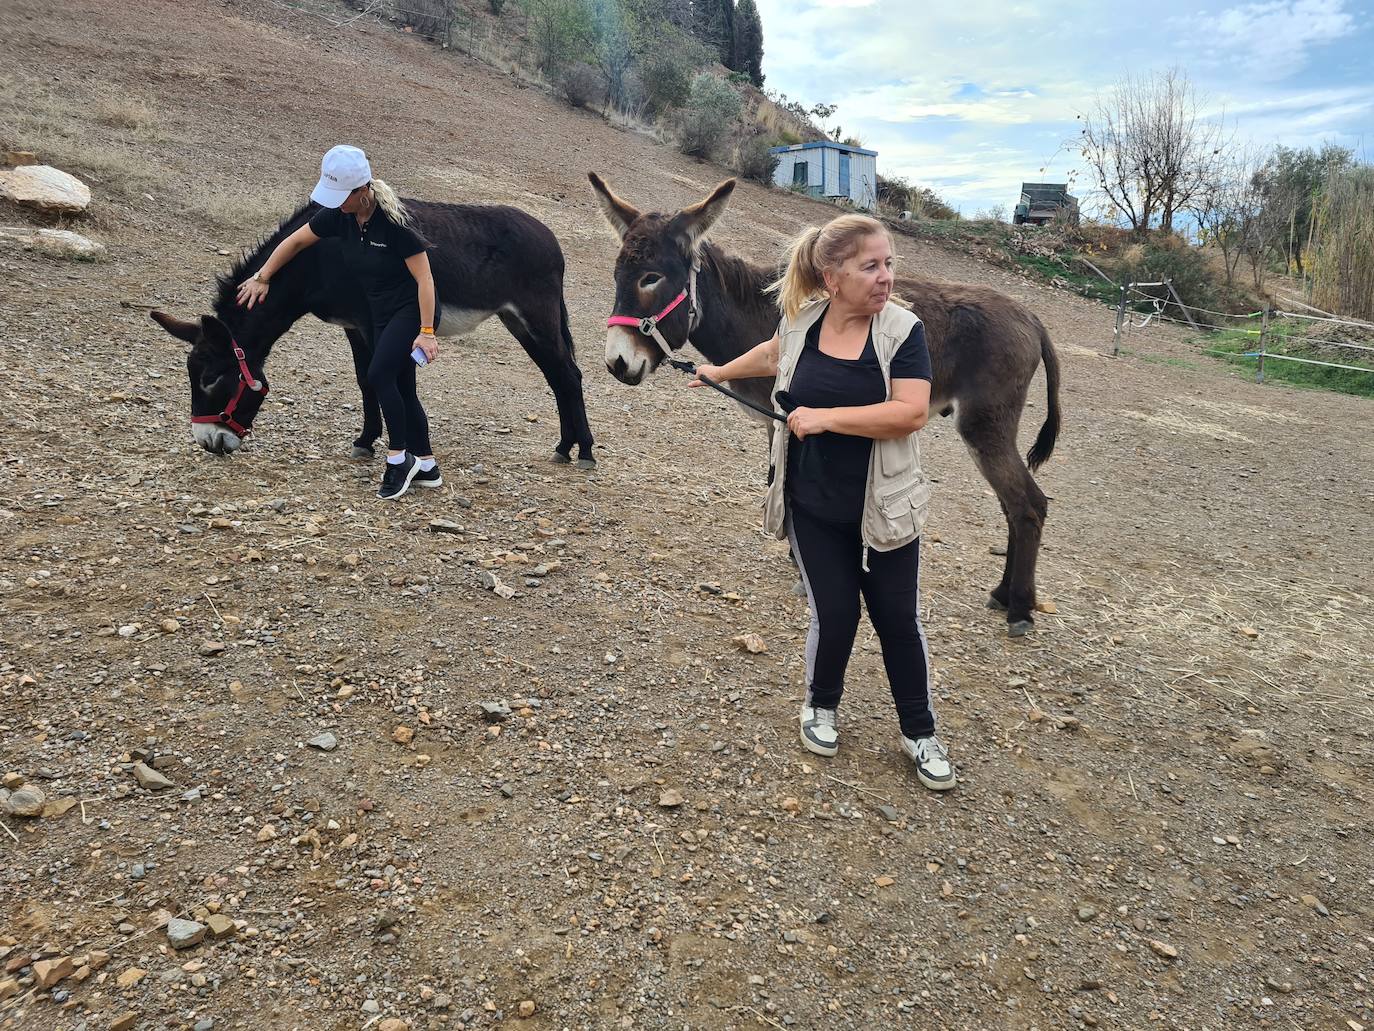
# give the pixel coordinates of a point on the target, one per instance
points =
(376, 253)
(827, 473)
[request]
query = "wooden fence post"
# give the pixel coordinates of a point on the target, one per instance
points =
(1263, 341)
(1182, 307)
(1120, 321)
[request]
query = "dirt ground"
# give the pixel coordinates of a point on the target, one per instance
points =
(1163, 818)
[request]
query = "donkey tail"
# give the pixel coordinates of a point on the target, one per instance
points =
(567, 328)
(1049, 432)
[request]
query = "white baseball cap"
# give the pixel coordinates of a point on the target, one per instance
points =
(342, 171)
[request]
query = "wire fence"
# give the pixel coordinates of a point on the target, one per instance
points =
(1274, 330)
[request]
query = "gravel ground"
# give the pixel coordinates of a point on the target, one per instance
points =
(250, 695)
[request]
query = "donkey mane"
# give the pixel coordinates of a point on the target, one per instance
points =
(250, 259)
(743, 282)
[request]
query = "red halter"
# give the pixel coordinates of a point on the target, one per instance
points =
(247, 381)
(649, 325)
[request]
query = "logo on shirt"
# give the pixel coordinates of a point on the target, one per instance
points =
(374, 243)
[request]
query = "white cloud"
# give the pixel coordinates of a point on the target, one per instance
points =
(1273, 38)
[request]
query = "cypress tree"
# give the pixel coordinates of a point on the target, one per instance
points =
(749, 41)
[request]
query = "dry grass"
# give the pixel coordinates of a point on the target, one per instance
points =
(1342, 264)
(59, 130)
(127, 114)
(255, 206)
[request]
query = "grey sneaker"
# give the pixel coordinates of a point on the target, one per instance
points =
(933, 767)
(818, 733)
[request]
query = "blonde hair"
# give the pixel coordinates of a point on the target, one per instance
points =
(815, 251)
(390, 203)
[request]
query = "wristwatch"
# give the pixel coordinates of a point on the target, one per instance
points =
(257, 278)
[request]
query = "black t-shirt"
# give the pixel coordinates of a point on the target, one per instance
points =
(827, 473)
(376, 253)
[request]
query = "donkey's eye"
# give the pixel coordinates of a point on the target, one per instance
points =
(649, 280)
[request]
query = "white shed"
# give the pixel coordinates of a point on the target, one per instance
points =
(824, 168)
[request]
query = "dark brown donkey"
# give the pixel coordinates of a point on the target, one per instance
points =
(487, 260)
(984, 349)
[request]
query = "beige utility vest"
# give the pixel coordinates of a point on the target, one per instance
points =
(898, 493)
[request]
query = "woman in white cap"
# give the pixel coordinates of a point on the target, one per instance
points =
(390, 260)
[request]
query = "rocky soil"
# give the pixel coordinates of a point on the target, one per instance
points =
(276, 755)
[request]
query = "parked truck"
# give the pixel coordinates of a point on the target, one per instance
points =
(1044, 202)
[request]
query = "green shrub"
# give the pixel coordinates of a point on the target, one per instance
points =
(753, 160)
(1192, 274)
(667, 80)
(712, 107)
(582, 85)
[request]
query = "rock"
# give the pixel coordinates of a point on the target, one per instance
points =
(325, 742)
(97, 959)
(45, 188)
(220, 926)
(27, 801)
(1315, 904)
(212, 648)
(393, 1024)
(182, 934)
(58, 807)
(8, 987)
(1249, 631)
(444, 526)
(131, 977)
(527, 1008)
(1046, 606)
(403, 735)
(267, 833)
(493, 583)
(670, 798)
(124, 1022)
(494, 712)
(59, 243)
(1164, 949)
(884, 881)
(49, 971)
(149, 778)
(19, 157)
(12, 781)
(1087, 913)
(888, 813)
(791, 805)
(752, 643)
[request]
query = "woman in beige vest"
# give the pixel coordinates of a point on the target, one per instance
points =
(847, 488)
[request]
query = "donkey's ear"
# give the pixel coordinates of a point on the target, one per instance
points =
(188, 332)
(692, 223)
(620, 214)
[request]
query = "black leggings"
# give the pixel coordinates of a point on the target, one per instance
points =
(392, 378)
(830, 558)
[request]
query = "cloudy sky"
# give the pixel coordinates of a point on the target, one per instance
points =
(973, 96)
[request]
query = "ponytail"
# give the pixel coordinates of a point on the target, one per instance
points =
(803, 280)
(390, 203)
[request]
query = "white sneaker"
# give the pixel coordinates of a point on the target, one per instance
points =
(818, 733)
(933, 767)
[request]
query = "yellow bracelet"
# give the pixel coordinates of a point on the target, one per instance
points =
(427, 330)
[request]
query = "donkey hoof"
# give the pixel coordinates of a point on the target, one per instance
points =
(586, 463)
(560, 459)
(1020, 628)
(995, 605)
(363, 452)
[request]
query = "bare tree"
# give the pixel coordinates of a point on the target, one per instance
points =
(1229, 208)
(1149, 148)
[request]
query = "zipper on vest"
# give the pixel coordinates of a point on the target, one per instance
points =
(863, 563)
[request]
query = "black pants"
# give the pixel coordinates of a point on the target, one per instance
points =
(392, 378)
(830, 557)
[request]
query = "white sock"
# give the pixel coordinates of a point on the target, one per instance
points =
(427, 464)
(396, 459)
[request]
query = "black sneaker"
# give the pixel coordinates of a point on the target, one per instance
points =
(396, 479)
(429, 479)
